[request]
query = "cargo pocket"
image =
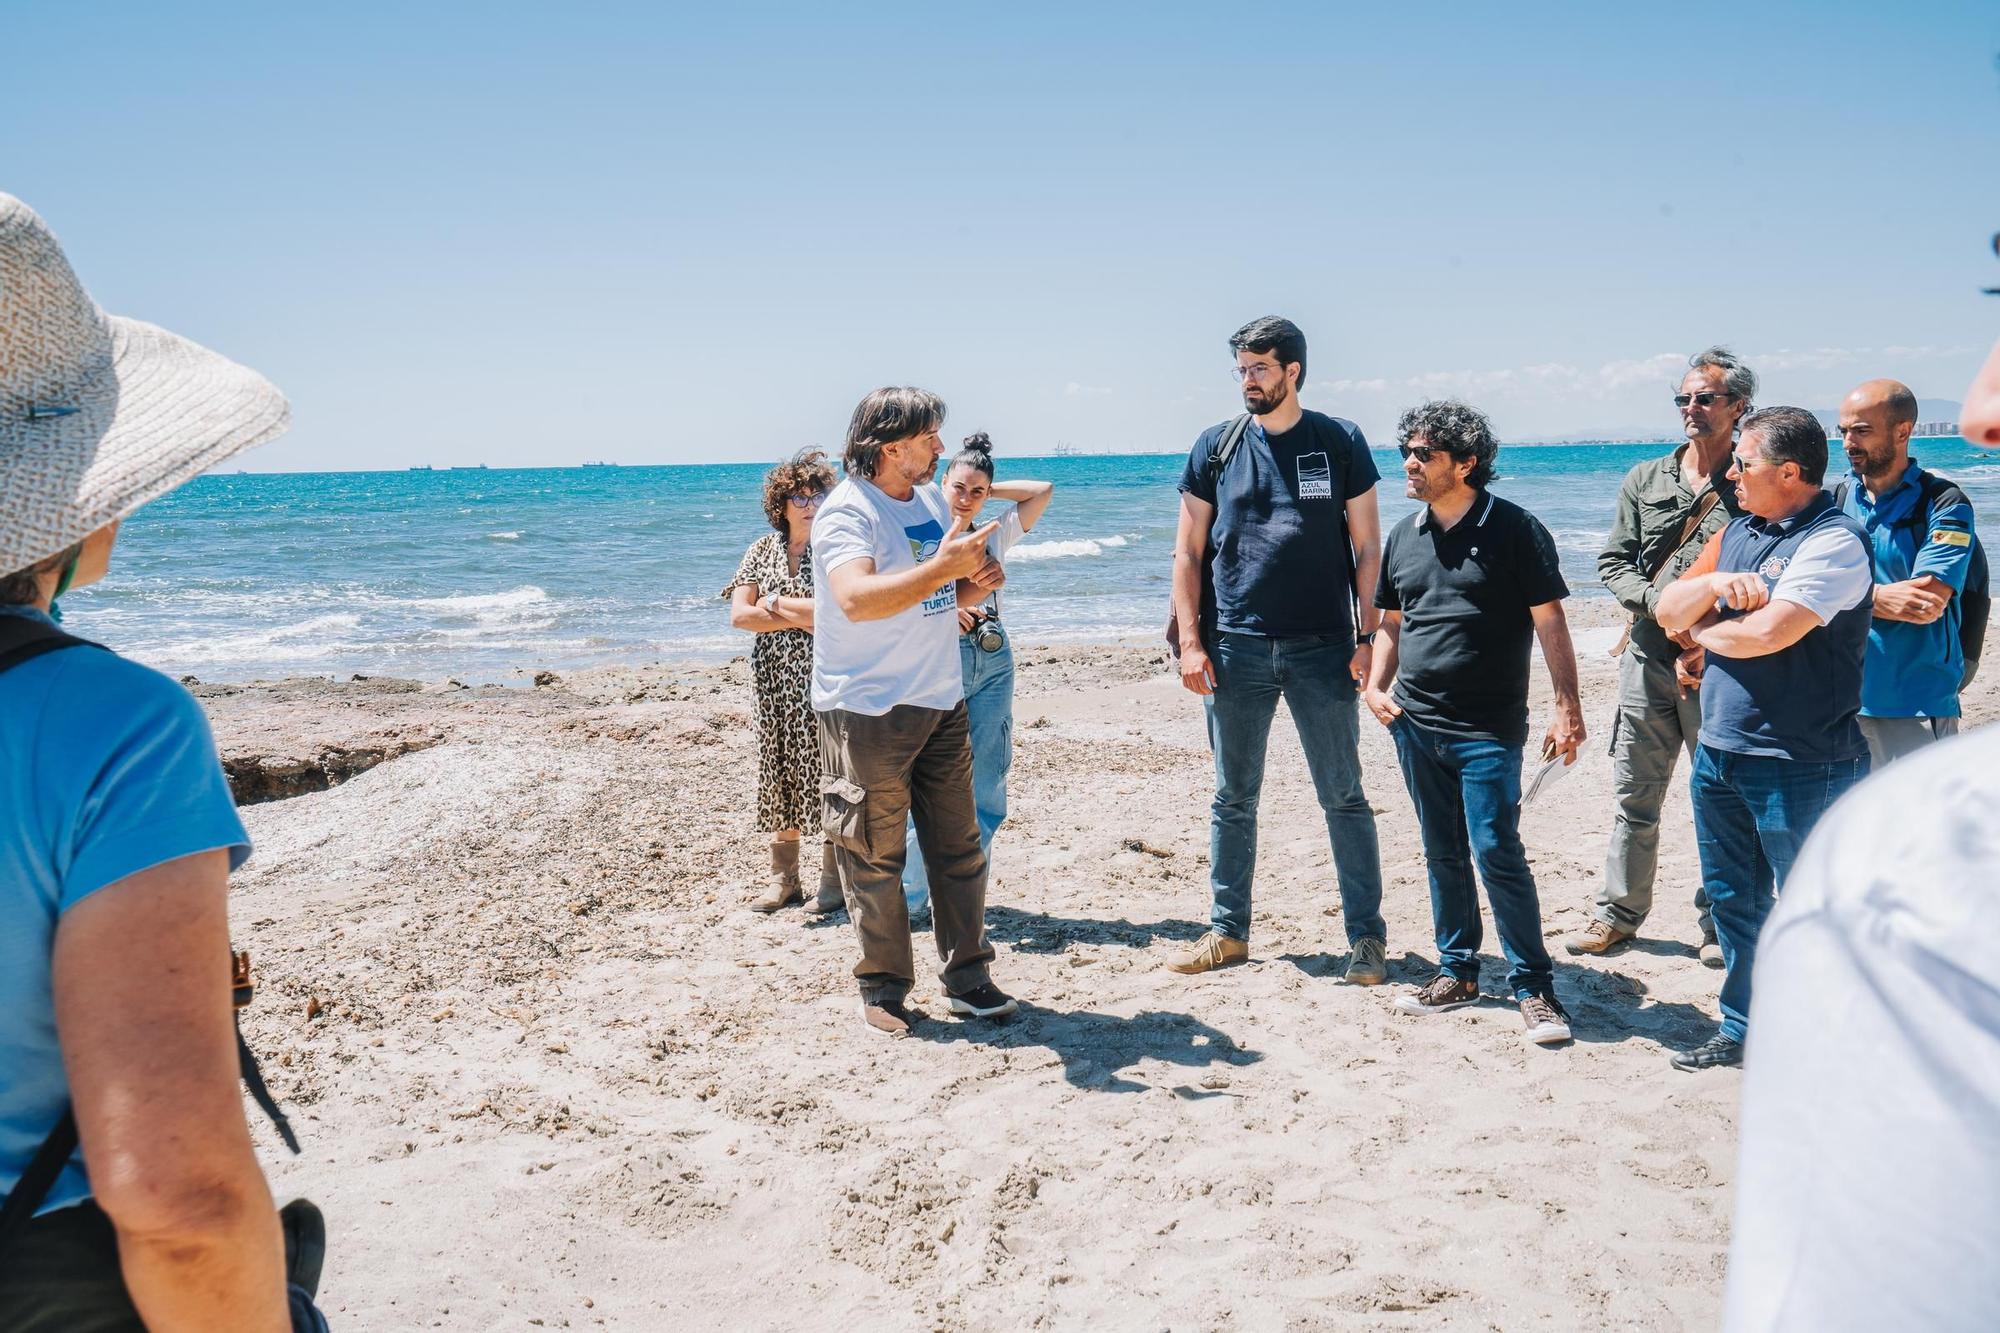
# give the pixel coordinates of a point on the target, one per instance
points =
(844, 812)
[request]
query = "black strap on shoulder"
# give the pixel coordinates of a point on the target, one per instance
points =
(38, 1179)
(24, 638)
(1225, 448)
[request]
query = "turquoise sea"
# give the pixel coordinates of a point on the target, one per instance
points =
(487, 573)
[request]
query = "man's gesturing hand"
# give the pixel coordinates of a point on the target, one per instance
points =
(961, 554)
(1909, 601)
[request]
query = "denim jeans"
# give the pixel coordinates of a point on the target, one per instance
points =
(1751, 815)
(1468, 799)
(1251, 673)
(989, 704)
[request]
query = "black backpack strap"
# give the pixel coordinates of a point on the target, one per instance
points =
(39, 1177)
(1225, 448)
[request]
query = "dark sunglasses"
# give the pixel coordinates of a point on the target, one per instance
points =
(1701, 399)
(1423, 453)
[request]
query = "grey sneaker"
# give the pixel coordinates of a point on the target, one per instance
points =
(1711, 953)
(1367, 965)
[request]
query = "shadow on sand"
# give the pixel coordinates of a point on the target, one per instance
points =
(1605, 1006)
(1095, 1047)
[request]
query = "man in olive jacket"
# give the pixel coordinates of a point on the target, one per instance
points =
(1667, 508)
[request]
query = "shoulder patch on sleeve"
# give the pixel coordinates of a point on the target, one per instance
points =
(1950, 537)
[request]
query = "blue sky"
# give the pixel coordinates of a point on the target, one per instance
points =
(542, 234)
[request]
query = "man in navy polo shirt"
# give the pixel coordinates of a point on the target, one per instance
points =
(1278, 544)
(1919, 531)
(1468, 582)
(1780, 615)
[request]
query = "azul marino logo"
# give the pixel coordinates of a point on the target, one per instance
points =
(1774, 568)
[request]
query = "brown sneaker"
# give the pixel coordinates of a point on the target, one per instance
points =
(1211, 951)
(1443, 992)
(1595, 938)
(1368, 964)
(1546, 1020)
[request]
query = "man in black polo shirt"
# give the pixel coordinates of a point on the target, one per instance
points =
(1466, 582)
(1271, 615)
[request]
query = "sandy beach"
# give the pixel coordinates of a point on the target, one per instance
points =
(550, 1073)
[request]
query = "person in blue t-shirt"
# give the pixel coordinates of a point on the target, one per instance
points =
(1275, 560)
(1920, 536)
(117, 834)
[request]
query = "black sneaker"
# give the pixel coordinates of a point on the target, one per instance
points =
(1718, 1052)
(889, 1016)
(987, 1001)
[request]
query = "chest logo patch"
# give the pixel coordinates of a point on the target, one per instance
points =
(1315, 478)
(1774, 568)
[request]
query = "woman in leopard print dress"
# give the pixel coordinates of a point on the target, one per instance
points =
(772, 597)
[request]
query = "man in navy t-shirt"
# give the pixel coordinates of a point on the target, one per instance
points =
(1278, 547)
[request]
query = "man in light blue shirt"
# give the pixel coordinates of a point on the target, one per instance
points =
(1920, 534)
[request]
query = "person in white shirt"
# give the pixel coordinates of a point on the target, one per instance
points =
(985, 649)
(891, 568)
(1868, 1182)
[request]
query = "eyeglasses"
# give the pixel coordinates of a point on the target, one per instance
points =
(812, 501)
(1259, 372)
(1700, 399)
(1745, 464)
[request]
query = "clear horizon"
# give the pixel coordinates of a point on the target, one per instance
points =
(533, 239)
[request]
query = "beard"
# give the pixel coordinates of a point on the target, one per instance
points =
(1259, 403)
(1872, 464)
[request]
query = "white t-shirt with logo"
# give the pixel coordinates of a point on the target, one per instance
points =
(909, 658)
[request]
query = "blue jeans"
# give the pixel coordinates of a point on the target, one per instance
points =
(989, 707)
(1751, 815)
(1251, 673)
(1468, 799)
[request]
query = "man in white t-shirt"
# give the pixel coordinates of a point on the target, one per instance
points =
(890, 569)
(1868, 1186)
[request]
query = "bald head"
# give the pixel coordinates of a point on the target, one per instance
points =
(1875, 423)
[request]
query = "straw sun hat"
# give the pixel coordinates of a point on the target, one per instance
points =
(100, 414)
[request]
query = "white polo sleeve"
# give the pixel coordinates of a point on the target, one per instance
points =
(1830, 572)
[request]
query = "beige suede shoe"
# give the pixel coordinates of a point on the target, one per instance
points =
(1211, 951)
(1596, 938)
(784, 887)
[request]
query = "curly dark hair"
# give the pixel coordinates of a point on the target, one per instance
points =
(1460, 430)
(801, 474)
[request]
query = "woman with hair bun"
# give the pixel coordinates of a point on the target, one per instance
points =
(772, 597)
(984, 647)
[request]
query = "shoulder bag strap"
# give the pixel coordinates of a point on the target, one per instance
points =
(1701, 510)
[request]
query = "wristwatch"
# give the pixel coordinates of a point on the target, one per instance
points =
(769, 601)
(1365, 639)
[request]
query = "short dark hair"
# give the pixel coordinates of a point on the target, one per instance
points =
(1791, 435)
(1273, 334)
(803, 473)
(976, 453)
(1460, 430)
(24, 586)
(1902, 405)
(885, 416)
